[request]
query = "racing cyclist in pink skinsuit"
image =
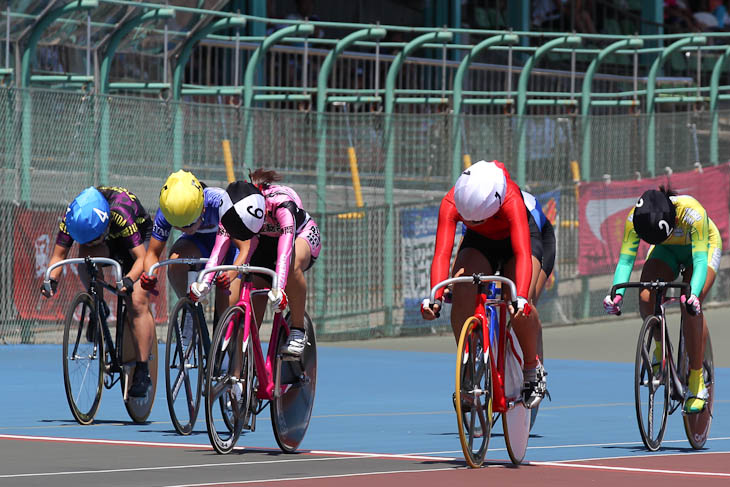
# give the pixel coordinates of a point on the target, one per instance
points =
(287, 241)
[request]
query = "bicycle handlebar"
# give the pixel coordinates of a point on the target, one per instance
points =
(189, 261)
(476, 278)
(79, 260)
(242, 269)
(684, 286)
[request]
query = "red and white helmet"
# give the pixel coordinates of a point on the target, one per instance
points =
(479, 191)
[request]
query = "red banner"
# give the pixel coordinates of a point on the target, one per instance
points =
(603, 210)
(34, 238)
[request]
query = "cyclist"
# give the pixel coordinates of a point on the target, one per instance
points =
(194, 209)
(500, 235)
(111, 222)
(547, 241)
(283, 237)
(683, 239)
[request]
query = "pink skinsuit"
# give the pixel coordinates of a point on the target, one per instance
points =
(284, 219)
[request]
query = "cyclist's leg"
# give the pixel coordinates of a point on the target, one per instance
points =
(661, 264)
(101, 250)
(184, 247)
(548, 259)
(296, 287)
(696, 332)
(468, 261)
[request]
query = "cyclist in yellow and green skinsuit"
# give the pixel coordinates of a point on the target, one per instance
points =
(682, 236)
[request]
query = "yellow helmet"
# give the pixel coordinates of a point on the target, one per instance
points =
(181, 199)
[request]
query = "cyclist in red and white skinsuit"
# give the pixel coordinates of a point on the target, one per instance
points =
(287, 242)
(498, 237)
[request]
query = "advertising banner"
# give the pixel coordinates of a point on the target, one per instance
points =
(34, 237)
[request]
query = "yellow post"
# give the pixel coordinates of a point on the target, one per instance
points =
(467, 161)
(352, 156)
(228, 159)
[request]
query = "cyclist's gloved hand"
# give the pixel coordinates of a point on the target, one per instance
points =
(430, 310)
(199, 290)
(523, 305)
(148, 282)
(278, 301)
(613, 306)
(127, 285)
(52, 291)
(223, 282)
(694, 307)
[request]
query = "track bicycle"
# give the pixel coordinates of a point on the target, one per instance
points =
(186, 351)
(240, 383)
(660, 383)
(481, 370)
(92, 356)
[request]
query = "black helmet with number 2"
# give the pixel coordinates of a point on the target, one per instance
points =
(243, 210)
(654, 216)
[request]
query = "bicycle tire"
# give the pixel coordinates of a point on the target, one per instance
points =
(697, 426)
(138, 408)
(83, 358)
(473, 382)
(651, 384)
(224, 416)
(291, 408)
(515, 422)
(184, 369)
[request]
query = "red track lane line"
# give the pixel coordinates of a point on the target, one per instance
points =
(208, 447)
(631, 469)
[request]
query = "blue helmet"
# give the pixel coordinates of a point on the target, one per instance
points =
(87, 217)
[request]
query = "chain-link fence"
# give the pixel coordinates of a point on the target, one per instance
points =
(56, 143)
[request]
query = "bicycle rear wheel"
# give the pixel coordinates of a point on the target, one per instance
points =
(83, 363)
(184, 366)
(697, 426)
(651, 384)
(224, 412)
(515, 421)
(138, 408)
(473, 396)
(291, 407)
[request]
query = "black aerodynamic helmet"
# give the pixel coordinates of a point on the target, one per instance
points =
(243, 210)
(654, 216)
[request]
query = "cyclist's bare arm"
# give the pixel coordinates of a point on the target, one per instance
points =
(138, 253)
(153, 253)
(59, 253)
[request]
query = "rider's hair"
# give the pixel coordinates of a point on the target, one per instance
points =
(667, 190)
(262, 178)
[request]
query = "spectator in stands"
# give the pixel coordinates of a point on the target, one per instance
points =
(580, 13)
(678, 17)
(544, 12)
(305, 10)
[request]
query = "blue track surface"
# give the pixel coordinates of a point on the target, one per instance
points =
(372, 401)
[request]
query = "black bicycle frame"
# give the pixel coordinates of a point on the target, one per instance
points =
(97, 294)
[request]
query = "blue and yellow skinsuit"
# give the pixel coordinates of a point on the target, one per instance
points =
(695, 242)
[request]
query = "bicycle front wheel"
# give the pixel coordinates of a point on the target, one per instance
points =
(184, 366)
(473, 395)
(295, 381)
(83, 358)
(697, 426)
(224, 410)
(651, 383)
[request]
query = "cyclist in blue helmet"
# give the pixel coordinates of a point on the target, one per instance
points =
(111, 222)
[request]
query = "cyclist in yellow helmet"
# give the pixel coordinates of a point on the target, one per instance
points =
(193, 208)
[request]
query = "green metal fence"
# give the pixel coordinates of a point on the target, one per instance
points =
(59, 147)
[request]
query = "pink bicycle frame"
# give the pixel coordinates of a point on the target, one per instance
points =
(264, 368)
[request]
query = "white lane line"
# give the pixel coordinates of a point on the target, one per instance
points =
(632, 469)
(645, 455)
(317, 477)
